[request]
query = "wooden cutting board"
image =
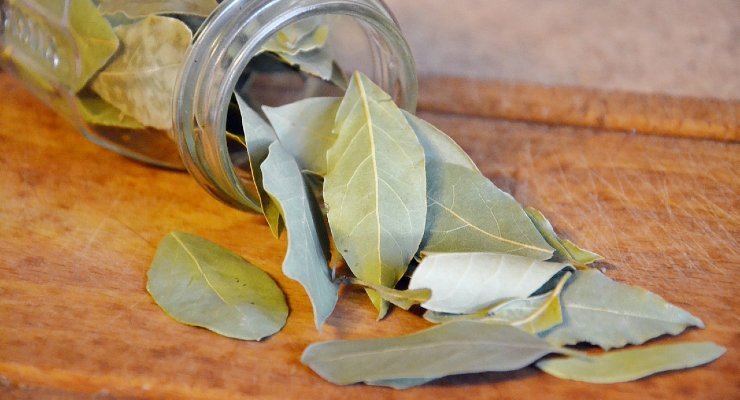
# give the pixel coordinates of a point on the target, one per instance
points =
(79, 226)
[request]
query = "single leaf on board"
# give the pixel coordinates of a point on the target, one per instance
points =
(305, 130)
(374, 188)
(307, 259)
(93, 37)
(141, 80)
(258, 136)
(468, 213)
(565, 250)
(439, 149)
(200, 283)
(448, 349)
(399, 298)
(609, 314)
(464, 283)
(142, 8)
(631, 364)
(97, 111)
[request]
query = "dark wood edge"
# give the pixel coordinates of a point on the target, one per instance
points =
(653, 114)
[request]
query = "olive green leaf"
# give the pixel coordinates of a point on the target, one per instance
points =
(374, 188)
(141, 79)
(92, 38)
(399, 298)
(258, 136)
(305, 130)
(609, 314)
(629, 365)
(439, 148)
(565, 250)
(303, 44)
(307, 259)
(200, 283)
(97, 111)
(142, 8)
(464, 283)
(447, 349)
(468, 213)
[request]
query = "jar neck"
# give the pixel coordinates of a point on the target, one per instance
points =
(222, 48)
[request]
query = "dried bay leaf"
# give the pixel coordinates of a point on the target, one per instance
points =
(258, 136)
(609, 314)
(307, 259)
(141, 80)
(631, 364)
(200, 283)
(448, 349)
(93, 37)
(375, 187)
(468, 213)
(305, 130)
(142, 8)
(565, 250)
(97, 111)
(464, 283)
(399, 298)
(439, 149)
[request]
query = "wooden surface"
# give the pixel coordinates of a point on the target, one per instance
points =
(79, 226)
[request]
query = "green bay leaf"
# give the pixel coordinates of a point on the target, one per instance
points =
(375, 187)
(92, 36)
(631, 364)
(565, 250)
(200, 283)
(143, 8)
(468, 213)
(97, 111)
(305, 130)
(464, 283)
(609, 314)
(439, 149)
(258, 136)
(307, 259)
(140, 81)
(448, 349)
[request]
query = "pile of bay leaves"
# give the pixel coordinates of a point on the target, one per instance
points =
(359, 181)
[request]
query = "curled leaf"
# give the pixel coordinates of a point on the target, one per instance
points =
(565, 250)
(307, 257)
(399, 298)
(464, 283)
(609, 314)
(200, 283)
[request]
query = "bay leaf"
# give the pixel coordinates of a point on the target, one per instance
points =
(609, 314)
(93, 37)
(307, 257)
(399, 298)
(565, 250)
(439, 149)
(305, 130)
(97, 111)
(464, 283)
(468, 213)
(375, 187)
(143, 8)
(140, 81)
(258, 136)
(632, 364)
(303, 45)
(319, 63)
(448, 349)
(200, 283)
(400, 384)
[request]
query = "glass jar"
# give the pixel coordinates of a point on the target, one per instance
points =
(63, 49)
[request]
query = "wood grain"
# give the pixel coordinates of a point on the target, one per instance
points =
(79, 226)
